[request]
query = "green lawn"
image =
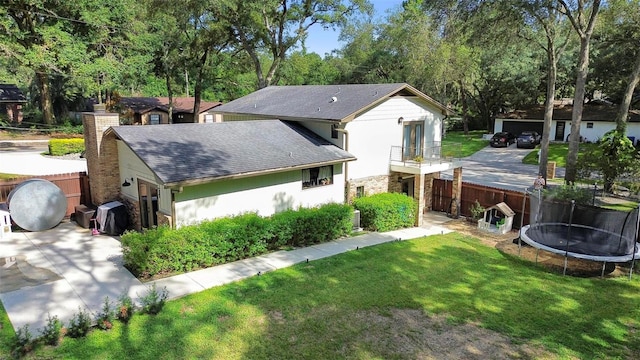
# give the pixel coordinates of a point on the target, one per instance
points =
(557, 152)
(456, 144)
(336, 308)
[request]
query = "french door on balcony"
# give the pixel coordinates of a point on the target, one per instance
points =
(413, 139)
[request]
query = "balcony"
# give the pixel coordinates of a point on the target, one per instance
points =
(429, 160)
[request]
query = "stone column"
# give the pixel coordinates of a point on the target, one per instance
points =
(456, 192)
(101, 153)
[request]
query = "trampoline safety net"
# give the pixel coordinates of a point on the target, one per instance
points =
(610, 235)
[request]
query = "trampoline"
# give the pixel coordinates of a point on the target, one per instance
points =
(582, 232)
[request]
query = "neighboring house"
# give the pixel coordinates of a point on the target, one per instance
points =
(11, 102)
(597, 119)
(393, 130)
(155, 110)
(185, 173)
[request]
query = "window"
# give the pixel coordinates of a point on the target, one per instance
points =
(154, 119)
(318, 176)
(208, 119)
(589, 125)
(359, 191)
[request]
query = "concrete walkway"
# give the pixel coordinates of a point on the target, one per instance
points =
(64, 269)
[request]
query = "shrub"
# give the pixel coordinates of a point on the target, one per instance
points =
(386, 211)
(104, 319)
(154, 300)
(476, 210)
(164, 250)
(79, 324)
(582, 196)
(125, 308)
(59, 147)
(50, 334)
(22, 343)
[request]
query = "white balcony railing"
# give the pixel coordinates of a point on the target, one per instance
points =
(429, 155)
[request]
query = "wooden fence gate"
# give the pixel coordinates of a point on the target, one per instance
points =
(442, 199)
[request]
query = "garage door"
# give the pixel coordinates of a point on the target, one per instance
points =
(516, 127)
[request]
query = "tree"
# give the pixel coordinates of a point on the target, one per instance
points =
(614, 156)
(276, 26)
(543, 15)
(583, 20)
(73, 47)
(301, 68)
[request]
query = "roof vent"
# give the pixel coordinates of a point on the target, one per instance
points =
(334, 99)
(318, 109)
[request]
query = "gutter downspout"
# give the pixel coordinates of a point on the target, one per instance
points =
(347, 183)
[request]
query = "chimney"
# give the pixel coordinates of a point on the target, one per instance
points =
(101, 153)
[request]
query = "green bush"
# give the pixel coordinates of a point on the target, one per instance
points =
(154, 300)
(125, 309)
(582, 196)
(59, 147)
(306, 226)
(22, 343)
(166, 251)
(79, 325)
(104, 319)
(50, 334)
(386, 211)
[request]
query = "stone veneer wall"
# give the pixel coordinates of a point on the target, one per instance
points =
(101, 153)
(372, 185)
(392, 183)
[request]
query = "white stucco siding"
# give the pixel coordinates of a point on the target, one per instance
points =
(594, 133)
(373, 133)
(591, 134)
(266, 195)
(323, 129)
(132, 167)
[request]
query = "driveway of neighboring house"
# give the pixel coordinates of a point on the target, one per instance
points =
(500, 168)
(25, 158)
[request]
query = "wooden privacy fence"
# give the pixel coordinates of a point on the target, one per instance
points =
(442, 199)
(75, 186)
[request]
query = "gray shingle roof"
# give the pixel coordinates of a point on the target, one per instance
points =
(194, 153)
(316, 101)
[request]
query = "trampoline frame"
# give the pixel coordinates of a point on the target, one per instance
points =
(569, 254)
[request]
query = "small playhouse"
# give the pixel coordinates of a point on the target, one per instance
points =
(497, 218)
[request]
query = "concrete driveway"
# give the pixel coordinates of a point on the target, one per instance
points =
(25, 158)
(501, 168)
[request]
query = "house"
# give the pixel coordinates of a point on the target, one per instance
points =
(393, 130)
(11, 102)
(597, 119)
(185, 173)
(155, 110)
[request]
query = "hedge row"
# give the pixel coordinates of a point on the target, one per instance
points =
(386, 211)
(164, 250)
(59, 147)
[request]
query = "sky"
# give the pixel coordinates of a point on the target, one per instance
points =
(323, 41)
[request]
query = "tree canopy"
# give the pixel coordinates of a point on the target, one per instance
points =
(481, 58)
